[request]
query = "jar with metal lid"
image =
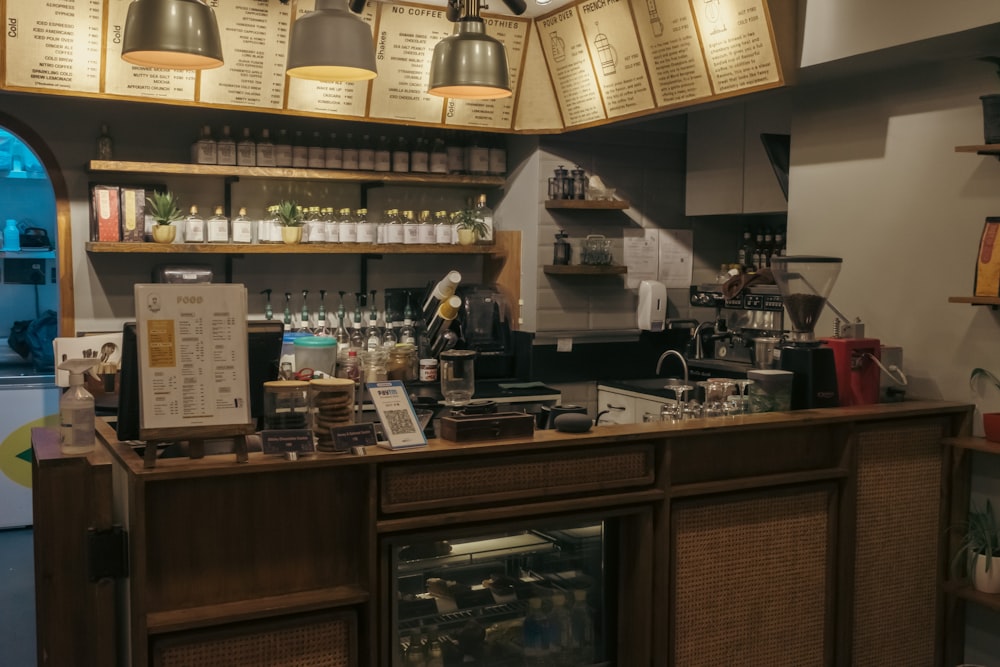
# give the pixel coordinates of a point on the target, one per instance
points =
(428, 370)
(373, 365)
(286, 404)
(402, 362)
(331, 404)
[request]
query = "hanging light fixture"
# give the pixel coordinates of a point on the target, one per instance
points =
(469, 65)
(171, 34)
(331, 44)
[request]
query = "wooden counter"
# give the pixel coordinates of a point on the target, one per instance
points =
(814, 537)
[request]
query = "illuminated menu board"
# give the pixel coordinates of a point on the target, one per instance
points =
(54, 45)
(338, 99)
(568, 59)
(122, 78)
(616, 57)
(254, 47)
(736, 39)
(672, 51)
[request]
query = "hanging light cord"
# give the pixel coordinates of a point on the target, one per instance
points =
(894, 372)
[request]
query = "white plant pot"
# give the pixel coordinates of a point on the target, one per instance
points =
(983, 581)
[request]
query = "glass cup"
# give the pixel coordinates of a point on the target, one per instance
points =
(458, 379)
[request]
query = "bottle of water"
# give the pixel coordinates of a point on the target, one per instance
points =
(560, 633)
(582, 629)
(536, 635)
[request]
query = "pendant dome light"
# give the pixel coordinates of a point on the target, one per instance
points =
(469, 65)
(172, 34)
(331, 44)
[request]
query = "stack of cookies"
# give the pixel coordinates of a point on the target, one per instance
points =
(332, 402)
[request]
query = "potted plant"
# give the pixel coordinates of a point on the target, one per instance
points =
(162, 206)
(991, 420)
(470, 225)
(290, 218)
(979, 550)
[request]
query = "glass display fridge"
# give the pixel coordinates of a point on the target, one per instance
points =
(537, 596)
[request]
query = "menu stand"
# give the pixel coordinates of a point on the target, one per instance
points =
(196, 440)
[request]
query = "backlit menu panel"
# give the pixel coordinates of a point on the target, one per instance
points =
(254, 46)
(568, 58)
(121, 78)
(736, 38)
(54, 44)
(407, 35)
(670, 43)
(513, 34)
(616, 56)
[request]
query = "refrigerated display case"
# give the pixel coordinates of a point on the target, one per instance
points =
(512, 598)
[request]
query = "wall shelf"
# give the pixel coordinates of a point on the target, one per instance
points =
(973, 442)
(387, 178)
(967, 592)
(584, 270)
(976, 300)
(981, 149)
(588, 204)
(289, 249)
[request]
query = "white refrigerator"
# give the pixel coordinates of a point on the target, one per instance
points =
(25, 402)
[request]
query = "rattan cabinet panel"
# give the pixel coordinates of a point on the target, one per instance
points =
(493, 479)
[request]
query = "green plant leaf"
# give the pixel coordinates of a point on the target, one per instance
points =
(163, 207)
(982, 372)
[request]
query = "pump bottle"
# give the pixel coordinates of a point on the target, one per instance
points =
(76, 410)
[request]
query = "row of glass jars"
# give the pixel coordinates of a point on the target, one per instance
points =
(327, 225)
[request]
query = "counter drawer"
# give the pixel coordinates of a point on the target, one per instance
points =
(481, 481)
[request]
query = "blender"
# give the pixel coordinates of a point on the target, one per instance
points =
(805, 283)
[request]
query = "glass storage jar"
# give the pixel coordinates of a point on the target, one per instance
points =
(331, 404)
(286, 404)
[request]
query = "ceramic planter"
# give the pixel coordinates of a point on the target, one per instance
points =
(291, 234)
(991, 426)
(986, 581)
(164, 233)
(466, 237)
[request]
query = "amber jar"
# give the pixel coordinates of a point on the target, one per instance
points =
(402, 362)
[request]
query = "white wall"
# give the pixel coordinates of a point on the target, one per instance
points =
(875, 179)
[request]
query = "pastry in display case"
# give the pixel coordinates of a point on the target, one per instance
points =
(507, 599)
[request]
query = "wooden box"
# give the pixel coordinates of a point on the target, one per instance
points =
(470, 428)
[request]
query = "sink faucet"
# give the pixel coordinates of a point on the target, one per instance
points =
(673, 353)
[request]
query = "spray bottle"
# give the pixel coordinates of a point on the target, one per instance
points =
(76, 410)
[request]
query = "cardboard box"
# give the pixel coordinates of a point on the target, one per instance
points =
(105, 215)
(988, 260)
(133, 214)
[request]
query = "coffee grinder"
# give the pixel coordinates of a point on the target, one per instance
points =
(805, 283)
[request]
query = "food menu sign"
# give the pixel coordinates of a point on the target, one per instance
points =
(606, 59)
(54, 44)
(254, 46)
(122, 78)
(337, 99)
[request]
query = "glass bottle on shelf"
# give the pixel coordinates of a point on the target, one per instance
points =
(779, 245)
(282, 150)
(205, 150)
(411, 229)
(225, 148)
(242, 228)
(331, 222)
(486, 214)
(316, 152)
(456, 153)
(348, 226)
(401, 156)
(536, 635)
(439, 156)
(265, 149)
(300, 151)
(768, 249)
(442, 228)
(317, 225)
(582, 629)
(246, 150)
(744, 254)
(333, 155)
(105, 145)
(477, 156)
(366, 154)
(425, 228)
(498, 157)
(217, 227)
(357, 333)
(383, 155)
(349, 153)
(420, 156)
(365, 228)
(758, 250)
(394, 232)
(194, 227)
(560, 633)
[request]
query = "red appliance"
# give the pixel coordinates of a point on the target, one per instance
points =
(857, 372)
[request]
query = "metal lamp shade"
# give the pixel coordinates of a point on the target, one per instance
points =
(331, 44)
(172, 34)
(470, 65)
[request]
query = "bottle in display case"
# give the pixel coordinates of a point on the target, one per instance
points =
(265, 150)
(226, 148)
(282, 150)
(246, 150)
(194, 227)
(514, 597)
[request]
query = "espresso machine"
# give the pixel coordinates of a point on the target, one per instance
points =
(805, 283)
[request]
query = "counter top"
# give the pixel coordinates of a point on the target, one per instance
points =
(541, 439)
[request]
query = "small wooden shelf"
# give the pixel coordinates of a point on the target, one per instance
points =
(289, 249)
(972, 442)
(588, 204)
(181, 169)
(231, 612)
(976, 300)
(981, 149)
(584, 270)
(967, 592)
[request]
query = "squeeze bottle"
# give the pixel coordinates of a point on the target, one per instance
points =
(76, 410)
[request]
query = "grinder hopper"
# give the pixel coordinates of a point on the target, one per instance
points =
(805, 283)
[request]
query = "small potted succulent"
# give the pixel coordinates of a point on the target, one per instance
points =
(290, 218)
(978, 555)
(162, 207)
(470, 225)
(991, 420)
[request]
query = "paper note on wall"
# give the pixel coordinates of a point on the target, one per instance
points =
(676, 257)
(641, 251)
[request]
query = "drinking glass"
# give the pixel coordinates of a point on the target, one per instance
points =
(458, 381)
(714, 397)
(680, 392)
(744, 385)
